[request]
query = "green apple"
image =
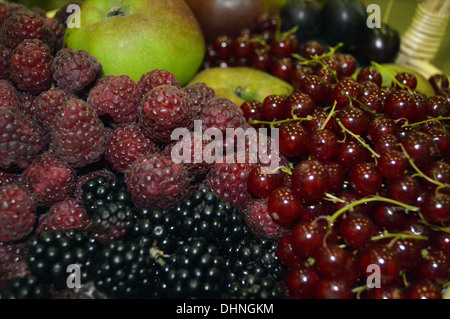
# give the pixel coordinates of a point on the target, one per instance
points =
(241, 84)
(136, 36)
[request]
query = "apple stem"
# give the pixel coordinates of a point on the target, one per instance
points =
(116, 12)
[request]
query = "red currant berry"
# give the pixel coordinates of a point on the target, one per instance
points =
(310, 179)
(284, 206)
(262, 184)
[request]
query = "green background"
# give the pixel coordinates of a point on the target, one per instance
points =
(399, 18)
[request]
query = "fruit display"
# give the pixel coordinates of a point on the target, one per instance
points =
(279, 166)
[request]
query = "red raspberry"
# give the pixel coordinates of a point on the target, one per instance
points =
(156, 181)
(79, 135)
(27, 25)
(126, 145)
(17, 213)
(222, 113)
(5, 62)
(78, 193)
(27, 105)
(21, 139)
(74, 70)
(164, 109)
(200, 94)
(7, 9)
(58, 28)
(48, 104)
(66, 214)
(50, 179)
(115, 98)
(12, 262)
(229, 182)
(8, 94)
(154, 78)
(261, 222)
(31, 66)
(9, 178)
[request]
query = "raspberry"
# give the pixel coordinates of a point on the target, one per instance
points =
(5, 62)
(222, 113)
(200, 94)
(58, 29)
(164, 109)
(74, 70)
(27, 105)
(31, 66)
(7, 9)
(50, 179)
(154, 78)
(126, 145)
(9, 178)
(261, 222)
(48, 104)
(156, 181)
(12, 262)
(229, 182)
(79, 135)
(8, 94)
(64, 215)
(27, 25)
(21, 139)
(17, 213)
(115, 98)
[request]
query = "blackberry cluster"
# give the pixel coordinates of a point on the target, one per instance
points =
(27, 287)
(109, 208)
(124, 269)
(203, 248)
(50, 253)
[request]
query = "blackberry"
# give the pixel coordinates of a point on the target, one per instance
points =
(255, 287)
(124, 269)
(109, 208)
(50, 253)
(27, 287)
(254, 269)
(196, 270)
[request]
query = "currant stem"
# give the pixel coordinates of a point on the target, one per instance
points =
(391, 76)
(335, 199)
(330, 115)
(358, 138)
(365, 108)
(314, 59)
(439, 118)
(364, 200)
(324, 66)
(433, 226)
(420, 173)
(398, 236)
(273, 123)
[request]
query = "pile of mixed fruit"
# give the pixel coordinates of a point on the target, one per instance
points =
(87, 178)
